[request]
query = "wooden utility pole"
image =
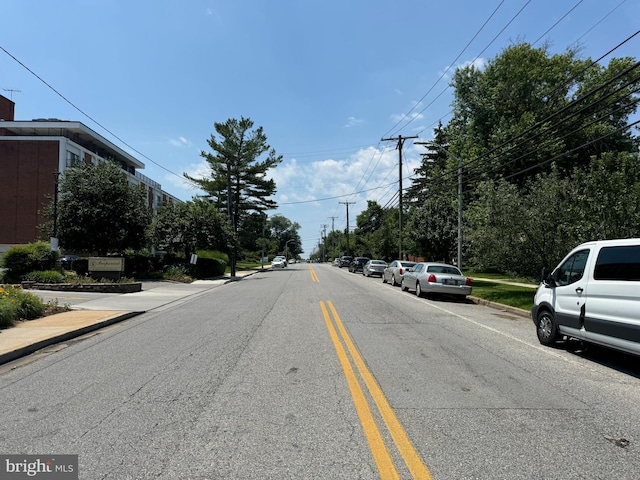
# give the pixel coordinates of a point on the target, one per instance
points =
(347, 204)
(400, 139)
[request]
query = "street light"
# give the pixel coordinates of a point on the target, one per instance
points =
(286, 251)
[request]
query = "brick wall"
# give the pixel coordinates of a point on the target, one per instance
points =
(26, 187)
(7, 109)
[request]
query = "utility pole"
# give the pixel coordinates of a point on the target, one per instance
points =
(324, 242)
(459, 160)
(333, 238)
(347, 204)
(400, 139)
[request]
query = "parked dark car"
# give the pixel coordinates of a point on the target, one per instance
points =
(345, 260)
(358, 264)
(67, 260)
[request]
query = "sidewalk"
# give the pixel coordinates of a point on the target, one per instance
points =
(30, 336)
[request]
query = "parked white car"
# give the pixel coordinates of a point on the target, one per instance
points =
(278, 262)
(593, 295)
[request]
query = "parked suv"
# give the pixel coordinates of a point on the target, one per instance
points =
(345, 260)
(593, 295)
(358, 264)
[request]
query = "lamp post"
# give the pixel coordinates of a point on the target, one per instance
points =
(286, 249)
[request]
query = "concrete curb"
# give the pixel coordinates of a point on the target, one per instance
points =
(63, 337)
(498, 306)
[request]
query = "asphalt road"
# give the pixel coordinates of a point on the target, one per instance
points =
(314, 372)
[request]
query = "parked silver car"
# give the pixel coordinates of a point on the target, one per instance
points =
(395, 270)
(426, 277)
(374, 267)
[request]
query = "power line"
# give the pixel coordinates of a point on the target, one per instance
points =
(92, 119)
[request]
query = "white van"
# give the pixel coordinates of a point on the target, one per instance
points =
(593, 295)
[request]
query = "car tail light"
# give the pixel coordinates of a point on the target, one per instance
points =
(467, 282)
(400, 271)
(432, 278)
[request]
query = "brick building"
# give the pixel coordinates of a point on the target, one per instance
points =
(32, 152)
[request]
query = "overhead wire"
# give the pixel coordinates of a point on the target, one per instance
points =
(469, 165)
(186, 180)
(445, 72)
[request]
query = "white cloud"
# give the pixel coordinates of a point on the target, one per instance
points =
(180, 142)
(195, 170)
(402, 117)
(352, 122)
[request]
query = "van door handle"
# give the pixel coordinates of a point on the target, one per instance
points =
(579, 290)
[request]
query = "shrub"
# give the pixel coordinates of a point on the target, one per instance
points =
(177, 273)
(30, 306)
(22, 259)
(47, 276)
(8, 313)
(81, 266)
(208, 267)
(213, 254)
(140, 263)
(17, 304)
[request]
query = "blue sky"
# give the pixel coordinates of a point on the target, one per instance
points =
(327, 80)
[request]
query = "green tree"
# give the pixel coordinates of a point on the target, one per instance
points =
(527, 108)
(238, 178)
(184, 228)
(428, 176)
(282, 230)
(433, 227)
(99, 211)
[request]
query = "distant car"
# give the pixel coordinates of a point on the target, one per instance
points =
(67, 260)
(336, 262)
(395, 270)
(426, 277)
(278, 262)
(374, 267)
(345, 260)
(358, 264)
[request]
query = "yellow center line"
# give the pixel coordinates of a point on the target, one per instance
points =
(314, 277)
(411, 457)
(381, 456)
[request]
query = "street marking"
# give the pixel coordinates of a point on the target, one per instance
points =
(381, 456)
(314, 277)
(404, 445)
(545, 350)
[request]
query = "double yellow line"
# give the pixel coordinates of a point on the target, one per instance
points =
(382, 458)
(314, 277)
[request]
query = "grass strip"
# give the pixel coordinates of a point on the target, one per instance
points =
(512, 295)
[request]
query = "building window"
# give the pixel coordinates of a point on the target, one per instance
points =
(72, 159)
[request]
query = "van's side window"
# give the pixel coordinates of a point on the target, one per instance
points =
(618, 263)
(572, 270)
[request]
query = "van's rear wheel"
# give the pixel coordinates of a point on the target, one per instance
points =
(547, 328)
